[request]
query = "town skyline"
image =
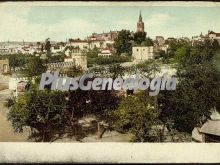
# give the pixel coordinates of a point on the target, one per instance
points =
(36, 23)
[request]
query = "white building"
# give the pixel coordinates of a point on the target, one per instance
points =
(213, 35)
(105, 53)
(160, 40)
(77, 57)
(57, 48)
(81, 44)
(143, 53)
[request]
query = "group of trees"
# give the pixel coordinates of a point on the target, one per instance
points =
(126, 39)
(197, 90)
(43, 111)
(137, 114)
(51, 114)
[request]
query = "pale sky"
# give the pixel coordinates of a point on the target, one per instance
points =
(61, 22)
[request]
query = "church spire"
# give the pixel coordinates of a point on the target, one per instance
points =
(140, 17)
(140, 24)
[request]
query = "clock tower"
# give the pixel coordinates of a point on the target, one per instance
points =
(140, 24)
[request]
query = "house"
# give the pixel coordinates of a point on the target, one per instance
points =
(57, 48)
(4, 66)
(106, 52)
(160, 40)
(214, 36)
(17, 84)
(160, 44)
(109, 36)
(210, 130)
(21, 87)
(97, 43)
(142, 53)
(81, 44)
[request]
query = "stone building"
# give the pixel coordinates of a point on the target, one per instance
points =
(143, 53)
(108, 36)
(76, 57)
(4, 66)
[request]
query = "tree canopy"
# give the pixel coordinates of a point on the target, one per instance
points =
(123, 43)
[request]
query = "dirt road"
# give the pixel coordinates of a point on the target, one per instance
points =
(6, 131)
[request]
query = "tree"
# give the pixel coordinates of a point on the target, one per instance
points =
(198, 85)
(123, 42)
(16, 60)
(93, 53)
(139, 37)
(147, 42)
(74, 71)
(38, 46)
(34, 67)
(56, 58)
(174, 45)
(136, 114)
(215, 45)
(149, 68)
(187, 55)
(196, 93)
(116, 70)
(43, 111)
(98, 103)
(48, 47)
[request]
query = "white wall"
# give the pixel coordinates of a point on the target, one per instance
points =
(142, 53)
(13, 82)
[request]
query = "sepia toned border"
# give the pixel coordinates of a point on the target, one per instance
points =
(114, 3)
(109, 152)
(11, 152)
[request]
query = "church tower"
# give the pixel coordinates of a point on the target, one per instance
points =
(140, 24)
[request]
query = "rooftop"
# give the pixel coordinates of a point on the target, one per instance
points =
(212, 126)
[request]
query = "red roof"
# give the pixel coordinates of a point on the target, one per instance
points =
(217, 34)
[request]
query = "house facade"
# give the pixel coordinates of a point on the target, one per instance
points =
(143, 53)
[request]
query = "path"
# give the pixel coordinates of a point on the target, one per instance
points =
(6, 131)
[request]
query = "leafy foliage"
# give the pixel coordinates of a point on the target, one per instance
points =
(43, 111)
(73, 71)
(34, 67)
(147, 42)
(123, 43)
(198, 88)
(139, 37)
(136, 114)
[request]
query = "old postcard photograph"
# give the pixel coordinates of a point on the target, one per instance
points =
(93, 81)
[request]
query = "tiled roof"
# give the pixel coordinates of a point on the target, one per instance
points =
(211, 127)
